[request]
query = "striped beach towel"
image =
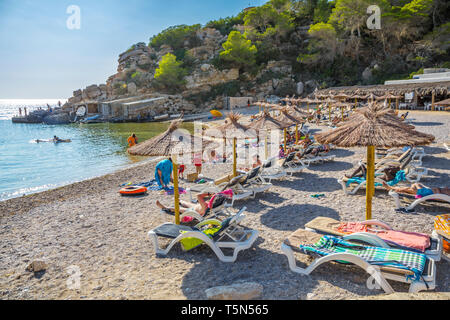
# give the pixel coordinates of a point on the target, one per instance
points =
(442, 223)
(396, 258)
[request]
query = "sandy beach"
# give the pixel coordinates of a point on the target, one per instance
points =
(89, 226)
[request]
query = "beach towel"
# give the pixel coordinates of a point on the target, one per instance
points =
(170, 191)
(402, 259)
(191, 243)
(400, 176)
(228, 194)
(442, 225)
(408, 240)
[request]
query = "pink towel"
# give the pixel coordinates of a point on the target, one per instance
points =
(413, 240)
(227, 193)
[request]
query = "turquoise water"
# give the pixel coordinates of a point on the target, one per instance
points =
(27, 167)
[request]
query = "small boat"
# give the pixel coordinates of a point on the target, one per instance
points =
(216, 113)
(163, 117)
(52, 140)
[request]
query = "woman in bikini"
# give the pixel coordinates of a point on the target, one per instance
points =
(418, 190)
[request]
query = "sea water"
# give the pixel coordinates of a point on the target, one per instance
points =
(96, 149)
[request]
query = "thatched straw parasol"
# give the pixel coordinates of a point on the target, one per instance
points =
(265, 123)
(288, 118)
(373, 127)
(232, 129)
(171, 143)
(443, 103)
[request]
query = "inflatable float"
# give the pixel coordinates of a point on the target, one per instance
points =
(133, 191)
(216, 114)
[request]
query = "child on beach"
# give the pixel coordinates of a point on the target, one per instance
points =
(181, 170)
(198, 163)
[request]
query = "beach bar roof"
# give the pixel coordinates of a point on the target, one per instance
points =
(440, 88)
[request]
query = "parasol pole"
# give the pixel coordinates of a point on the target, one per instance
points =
(342, 112)
(266, 146)
(296, 133)
(176, 190)
(370, 187)
(234, 158)
(433, 101)
(329, 113)
(285, 141)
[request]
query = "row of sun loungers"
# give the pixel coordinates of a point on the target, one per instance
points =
(409, 163)
(372, 250)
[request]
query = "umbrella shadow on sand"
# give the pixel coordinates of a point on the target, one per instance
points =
(429, 150)
(309, 182)
(437, 163)
(270, 269)
(426, 124)
(294, 216)
(261, 202)
(331, 166)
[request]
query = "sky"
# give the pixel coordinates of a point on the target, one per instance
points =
(40, 57)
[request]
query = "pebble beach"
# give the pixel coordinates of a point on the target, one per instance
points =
(89, 227)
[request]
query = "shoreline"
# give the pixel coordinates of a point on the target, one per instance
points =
(29, 201)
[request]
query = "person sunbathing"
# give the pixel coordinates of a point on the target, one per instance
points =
(201, 207)
(315, 151)
(419, 190)
(389, 173)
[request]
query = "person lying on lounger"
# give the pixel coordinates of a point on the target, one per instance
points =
(201, 207)
(315, 151)
(419, 190)
(389, 173)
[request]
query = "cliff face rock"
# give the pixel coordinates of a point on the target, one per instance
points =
(208, 76)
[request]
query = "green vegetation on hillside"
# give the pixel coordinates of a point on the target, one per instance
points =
(327, 41)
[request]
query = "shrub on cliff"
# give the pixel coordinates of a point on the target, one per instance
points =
(176, 36)
(169, 74)
(239, 51)
(226, 25)
(323, 44)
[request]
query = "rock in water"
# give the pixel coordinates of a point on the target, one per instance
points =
(61, 118)
(238, 291)
(37, 266)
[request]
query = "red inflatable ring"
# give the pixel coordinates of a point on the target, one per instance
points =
(133, 191)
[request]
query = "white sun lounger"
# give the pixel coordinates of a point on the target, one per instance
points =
(410, 208)
(272, 171)
(378, 274)
(324, 225)
(239, 193)
(254, 182)
(239, 238)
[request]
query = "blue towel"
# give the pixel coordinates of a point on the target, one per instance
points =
(399, 177)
